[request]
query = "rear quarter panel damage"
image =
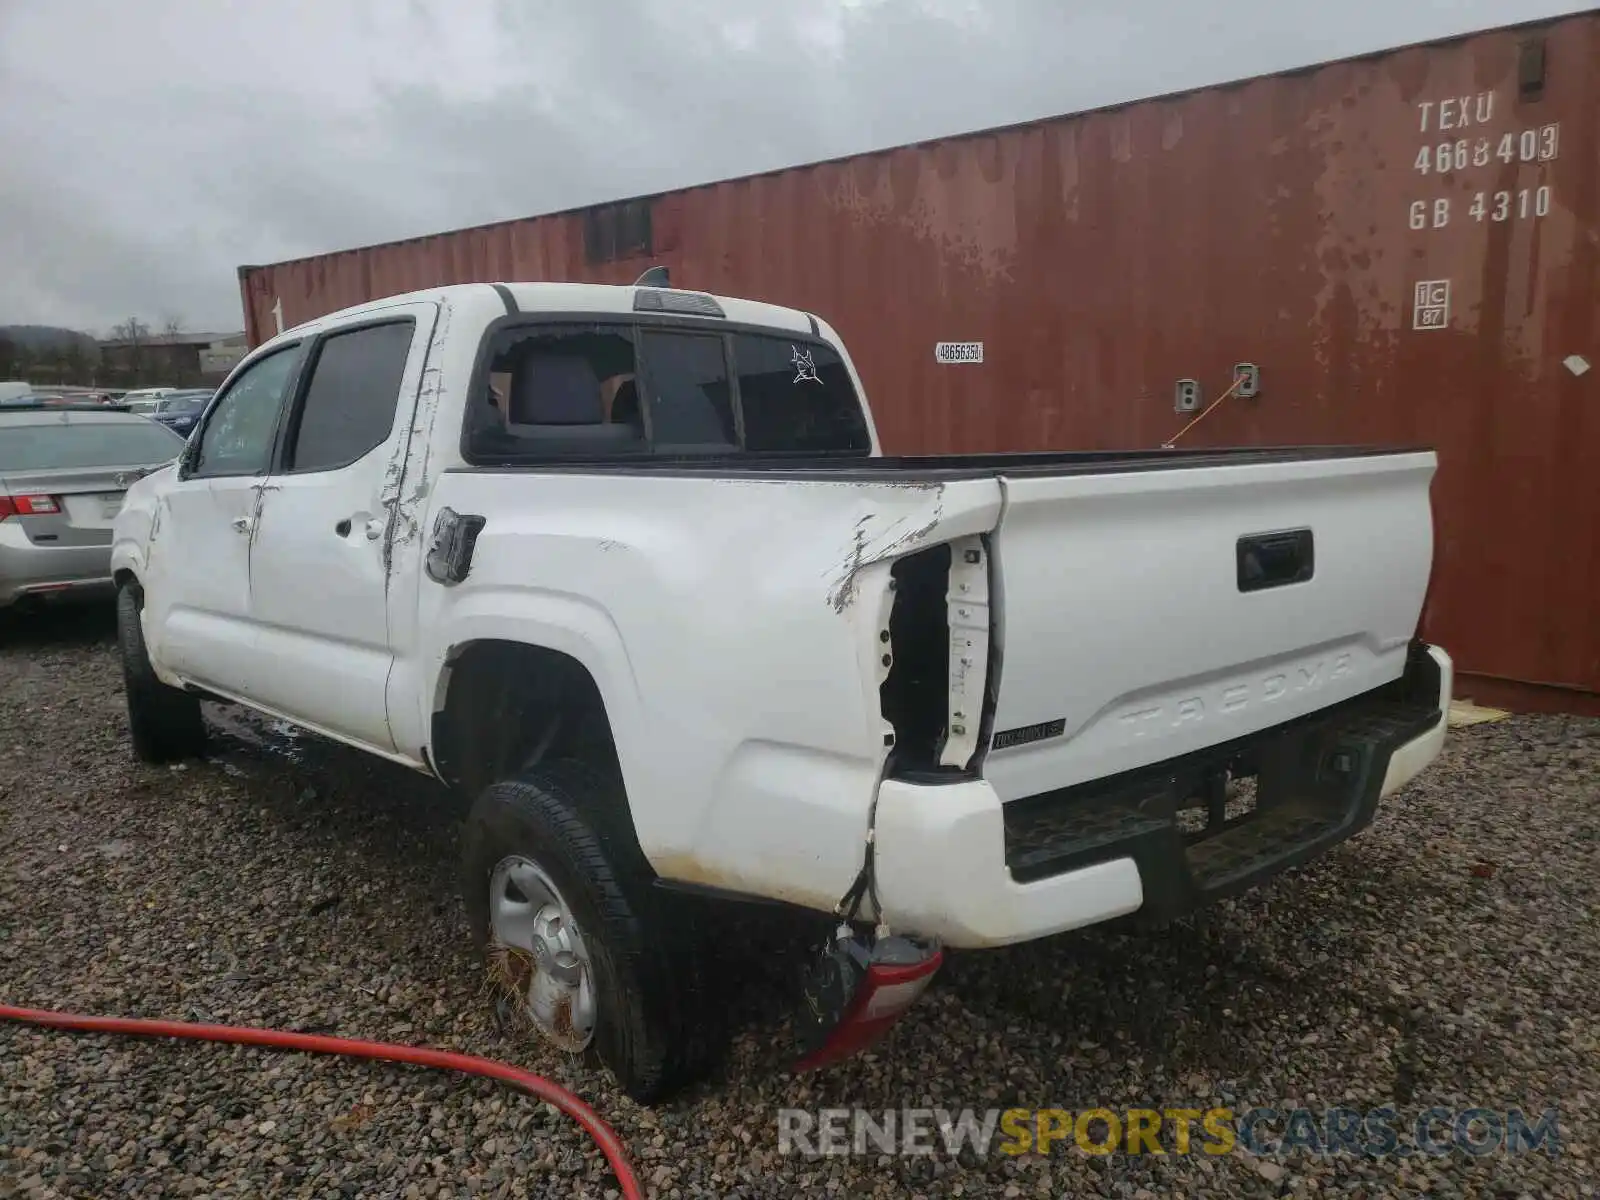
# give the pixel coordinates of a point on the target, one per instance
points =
(731, 626)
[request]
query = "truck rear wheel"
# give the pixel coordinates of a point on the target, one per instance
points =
(165, 722)
(577, 941)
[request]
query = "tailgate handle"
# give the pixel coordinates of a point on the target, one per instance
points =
(1269, 560)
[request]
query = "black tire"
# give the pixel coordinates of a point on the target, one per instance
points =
(165, 722)
(659, 1027)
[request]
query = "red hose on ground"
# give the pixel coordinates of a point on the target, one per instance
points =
(443, 1060)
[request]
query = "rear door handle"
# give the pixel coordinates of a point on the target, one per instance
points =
(242, 524)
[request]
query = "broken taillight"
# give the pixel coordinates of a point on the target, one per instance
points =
(856, 990)
(28, 506)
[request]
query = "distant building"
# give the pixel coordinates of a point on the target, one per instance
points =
(174, 358)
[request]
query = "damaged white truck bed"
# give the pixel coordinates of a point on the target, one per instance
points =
(627, 567)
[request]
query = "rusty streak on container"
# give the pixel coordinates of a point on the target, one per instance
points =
(1285, 221)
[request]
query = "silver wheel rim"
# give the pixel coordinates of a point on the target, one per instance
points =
(530, 919)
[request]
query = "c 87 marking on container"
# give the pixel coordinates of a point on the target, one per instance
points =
(958, 352)
(1431, 304)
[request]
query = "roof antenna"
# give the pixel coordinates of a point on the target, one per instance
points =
(654, 277)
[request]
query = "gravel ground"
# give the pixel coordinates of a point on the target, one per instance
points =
(1449, 956)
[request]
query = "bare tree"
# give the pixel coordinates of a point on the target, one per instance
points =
(133, 331)
(75, 363)
(171, 326)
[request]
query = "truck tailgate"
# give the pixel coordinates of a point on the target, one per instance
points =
(1149, 614)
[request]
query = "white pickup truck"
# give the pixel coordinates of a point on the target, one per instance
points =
(627, 567)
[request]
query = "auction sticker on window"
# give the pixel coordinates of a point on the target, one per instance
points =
(958, 352)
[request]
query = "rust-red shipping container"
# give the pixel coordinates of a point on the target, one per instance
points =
(1405, 245)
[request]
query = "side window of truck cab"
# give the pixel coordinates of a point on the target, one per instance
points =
(240, 430)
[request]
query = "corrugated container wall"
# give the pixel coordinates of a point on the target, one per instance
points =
(1404, 244)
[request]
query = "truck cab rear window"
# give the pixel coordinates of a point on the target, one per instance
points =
(570, 391)
(797, 396)
(691, 400)
(627, 389)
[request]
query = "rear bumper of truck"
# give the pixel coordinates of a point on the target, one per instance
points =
(953, 862)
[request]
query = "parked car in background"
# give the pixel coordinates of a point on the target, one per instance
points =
(180, 410)
(68, 394)
(63, 472)
(13, 390)
(145, 401)
(35, 399)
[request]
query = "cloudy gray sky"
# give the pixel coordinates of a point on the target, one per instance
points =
(148, 147)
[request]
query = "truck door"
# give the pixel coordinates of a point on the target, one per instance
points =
(197, 597)
(319, 560)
